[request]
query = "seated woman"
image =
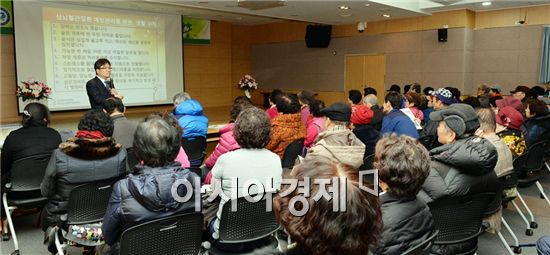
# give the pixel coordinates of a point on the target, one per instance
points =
(227, 141)
(146, 194)
(403, 164)
(34, 138)
(315, 123)
(251, 162)
(319, 228)
(509, 122)
(92, 155)
(537, 126)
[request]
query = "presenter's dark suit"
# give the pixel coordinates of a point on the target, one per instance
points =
(97, 92)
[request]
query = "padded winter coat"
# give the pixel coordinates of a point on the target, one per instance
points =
(146, 195)
(536, 127)
(407, 222)
(76, 162)
(227, 143)
(285, 128)
(191, 118)
(341, 146)
(465, 167)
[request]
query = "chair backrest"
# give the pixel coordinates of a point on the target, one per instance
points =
(194, 148)
(459, 219)
(424, 247)
(509, 180)
(88, 202)
(535, 156)
(131, 158)
(367, 162)
(27, 173)
(292, 151)
(251, 221)
(179, 234)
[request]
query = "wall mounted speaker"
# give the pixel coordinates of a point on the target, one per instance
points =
(442, 35)
(318, 36)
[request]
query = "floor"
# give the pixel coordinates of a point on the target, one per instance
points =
(30, 237)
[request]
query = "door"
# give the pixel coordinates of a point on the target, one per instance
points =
(365, 70)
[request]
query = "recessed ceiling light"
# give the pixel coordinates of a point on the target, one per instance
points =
(367, 5)
(386, 15)
(344, 15)
(343, 7)
(486, 3)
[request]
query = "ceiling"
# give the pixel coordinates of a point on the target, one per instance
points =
(250, 12)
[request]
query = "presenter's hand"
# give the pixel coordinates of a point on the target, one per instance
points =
(114, 93)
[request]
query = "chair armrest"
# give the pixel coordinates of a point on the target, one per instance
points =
(8, 185)
(63, 217)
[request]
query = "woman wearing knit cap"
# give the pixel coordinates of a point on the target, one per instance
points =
(509, 122)
(468, 158)
(91, 155)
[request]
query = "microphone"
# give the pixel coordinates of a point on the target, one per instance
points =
(109, 83)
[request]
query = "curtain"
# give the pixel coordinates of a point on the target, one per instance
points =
(545, 56)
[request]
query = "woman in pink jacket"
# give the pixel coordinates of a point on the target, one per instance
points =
(227, 141)
(315, 123)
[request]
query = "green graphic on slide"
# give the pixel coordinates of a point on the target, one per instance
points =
(195, 31)
(6, 17)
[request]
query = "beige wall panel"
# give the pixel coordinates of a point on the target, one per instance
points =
(470, 19)
(192, 81)
(443, 61)
(216, 96)
(497, 38)
(530, 37)
(215, 80)
(469, 61)
(403, 62)
(527, 79)
(376, 27)
(528, 61)
(469, 87)
(404, 78)
(331, 97)
(8, 110)
(402, 42)
(429, 42)
(438, 80)
(496, 61)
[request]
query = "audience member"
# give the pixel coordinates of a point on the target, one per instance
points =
(395, 120)
(124, 129)
(416, 87)
(543, 245)
(509, 122)
(495, 91)
(242, 100)
(395, 88)
(321, 229)
(406, 88)
(227, 140)
(287, 126)
(92, 155)
(338, 142)
(251, 162)
(315, 124)
(520, 93)
(547, 92)
(273, 98)
(147, 193)
(428, 91)
(468, 158)
(509, 101)
(503, 166)
(472, 101)
(483, 90)
(189, 114)
(485, 102)
(33, 138)
(456, 93)
(354, 98)
(412, 101)
(403, 164)
(537, 125)
(368, 91)
(181, 157)
(535, 92)
(440, 99)
(371, 101)
(305, 98)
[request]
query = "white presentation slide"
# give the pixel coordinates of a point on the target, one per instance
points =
(59, 43)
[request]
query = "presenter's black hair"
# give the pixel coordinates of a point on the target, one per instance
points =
(100, 62)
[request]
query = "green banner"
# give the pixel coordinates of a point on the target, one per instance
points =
(6, 17)
(195, 31)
